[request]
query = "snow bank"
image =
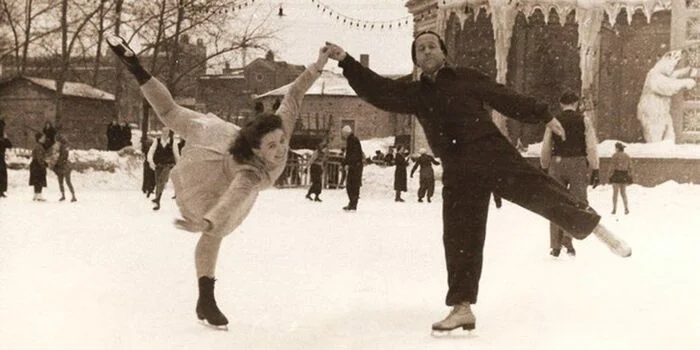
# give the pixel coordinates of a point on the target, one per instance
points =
(637, 150)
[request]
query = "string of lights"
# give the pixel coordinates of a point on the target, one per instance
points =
(358, 23)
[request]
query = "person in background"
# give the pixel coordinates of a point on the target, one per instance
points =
(378, 158)
(60, 164)
(477, 159)
(124, 135)
(570, 161)
(317, 161)
(389, 157)
(353, 164)
(49, 132)
(4, 145)
(426, 180)
(37, 167)
(223, 168)
(162, 157)
(400, 181)
(113, 136)
(621, 164)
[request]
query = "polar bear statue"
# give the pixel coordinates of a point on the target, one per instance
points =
(654, 107)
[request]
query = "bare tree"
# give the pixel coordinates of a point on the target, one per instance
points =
(67, 44)
(23, 32)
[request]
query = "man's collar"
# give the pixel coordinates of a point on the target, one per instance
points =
(446, 71)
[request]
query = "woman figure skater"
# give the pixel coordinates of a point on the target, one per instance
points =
(621, 175)
(222, 167)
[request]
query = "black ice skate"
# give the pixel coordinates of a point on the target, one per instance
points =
(461, 316)
(128, 58)
(206, 305)
(123, 51)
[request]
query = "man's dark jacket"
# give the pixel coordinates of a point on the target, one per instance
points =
(451, 108)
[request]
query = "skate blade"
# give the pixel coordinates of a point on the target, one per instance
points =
(214, 327)
(118, 45)
(467, 330)
(616, 245)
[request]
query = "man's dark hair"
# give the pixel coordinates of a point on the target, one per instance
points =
(568, 98)
(250, 135)
(413, 44)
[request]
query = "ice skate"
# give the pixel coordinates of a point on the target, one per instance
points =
(461, 316)
(571, 252)
(207, 310)
(74, 199)
(615, 244)
(122, 50)
(62, 198)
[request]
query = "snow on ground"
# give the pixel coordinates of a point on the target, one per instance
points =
(109, 273)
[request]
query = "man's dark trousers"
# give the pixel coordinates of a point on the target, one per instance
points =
(471, 172)
(353, 183)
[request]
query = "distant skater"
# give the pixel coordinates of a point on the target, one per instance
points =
(317, 161)
(426, 180)
(61, 166)
(621, 175)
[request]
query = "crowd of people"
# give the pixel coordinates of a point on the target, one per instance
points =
(118, 135)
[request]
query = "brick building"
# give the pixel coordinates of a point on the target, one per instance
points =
(330, 104)
(82, 70)
(230, 95)
(26, 104)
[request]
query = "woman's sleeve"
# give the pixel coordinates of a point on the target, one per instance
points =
(290, 106)
(235, 204)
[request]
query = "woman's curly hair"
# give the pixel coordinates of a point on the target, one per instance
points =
(252, 133)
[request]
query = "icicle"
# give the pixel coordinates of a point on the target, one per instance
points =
(648, 9)
(503, 16)
(613, 10)
(528, 10)
(563, 11)
(630, 13)
(589, 26)
(462, 16)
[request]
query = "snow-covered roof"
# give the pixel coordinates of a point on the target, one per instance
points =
(329, 83)
(74, 89)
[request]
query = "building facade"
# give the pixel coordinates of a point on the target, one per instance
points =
(602, 49)
(26, 104)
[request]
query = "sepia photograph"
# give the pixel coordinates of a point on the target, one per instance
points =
(349, 174)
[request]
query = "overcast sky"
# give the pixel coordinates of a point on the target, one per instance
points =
(304, 28)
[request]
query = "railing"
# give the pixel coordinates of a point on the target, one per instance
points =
(297, 174)
(19, 152)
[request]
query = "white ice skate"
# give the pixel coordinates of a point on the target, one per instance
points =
(614, 243)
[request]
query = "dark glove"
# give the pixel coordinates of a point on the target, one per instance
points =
(595, 178)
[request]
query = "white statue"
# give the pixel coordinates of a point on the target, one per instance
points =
(662, 82)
